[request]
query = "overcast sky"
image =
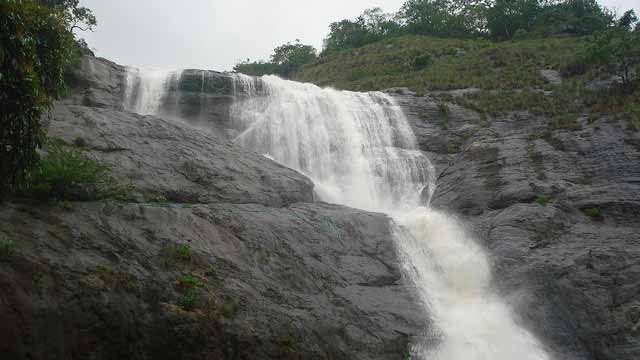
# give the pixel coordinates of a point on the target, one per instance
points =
(215, 34)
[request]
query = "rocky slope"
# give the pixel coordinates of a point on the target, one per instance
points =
(218, 253)
(558, 209)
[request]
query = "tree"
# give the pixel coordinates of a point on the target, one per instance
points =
(291, 56)
(581, 17)
(617, 49)
(446, 18)
(371, 26)
(37, 49)
(285, 60)
(505, 17)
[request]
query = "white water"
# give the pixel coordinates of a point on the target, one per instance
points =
(360, 151)
(146, 88)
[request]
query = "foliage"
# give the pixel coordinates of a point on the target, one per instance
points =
(593, 212)
(455, 64)
(180, 252)
(112, 277)
(66, 173)
(446, 18)
(543, 200)
(256, 68)
(291, 56)
(7, 247)
(189, 281)
(371, 26)
(617, 49)
(285, 60)
(37, 47)
(188, 300)
(230, 307)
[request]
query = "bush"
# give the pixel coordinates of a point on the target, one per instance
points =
(617, 50)
(7, 247)
(189, 300)
(593, 212)
(37, 48)
(422, 61)
(230, 307)
(66, 173)
(285, 60)
(543, 200)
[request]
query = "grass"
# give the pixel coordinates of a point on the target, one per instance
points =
(7, 247)
(112, 277)
(189, 281)
(188, 301)
(66, 173)
(593, 212)
(426, 63)
(507, 75)
(178, 252)
(543, 200)
(230, 307)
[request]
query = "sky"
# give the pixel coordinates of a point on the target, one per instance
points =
(216, 34)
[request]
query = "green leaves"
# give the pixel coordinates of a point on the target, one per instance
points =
(37, 48)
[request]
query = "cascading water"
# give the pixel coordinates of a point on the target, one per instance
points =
(146, 88)
(359, 150)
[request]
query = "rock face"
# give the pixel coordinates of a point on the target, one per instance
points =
(558, 210)
(219, 253)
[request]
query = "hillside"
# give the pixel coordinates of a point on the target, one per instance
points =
(543, 76)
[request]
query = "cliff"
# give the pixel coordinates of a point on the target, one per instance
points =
(217, 252)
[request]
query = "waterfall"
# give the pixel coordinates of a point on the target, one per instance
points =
(360, 151)
(146, 88)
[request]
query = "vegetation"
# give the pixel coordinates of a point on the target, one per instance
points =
(285, 60)
(593, 212)
(112, 277)
(179, 252)
(506, 75)
(66, 173)
(618, 49)
(7, 247)
(37, 48)
(188, 300)
(543, 199)
(491, 19)
(230, 307)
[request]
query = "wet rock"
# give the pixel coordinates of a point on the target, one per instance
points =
(572, 278)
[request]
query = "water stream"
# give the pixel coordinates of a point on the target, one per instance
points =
(360, 151)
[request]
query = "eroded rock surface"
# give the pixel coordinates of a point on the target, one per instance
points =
(219, 253)
(557, 209)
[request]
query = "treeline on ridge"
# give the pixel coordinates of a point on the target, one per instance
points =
(498, 20)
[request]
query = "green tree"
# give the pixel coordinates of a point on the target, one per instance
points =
(580, 17)
(617, 49)
(291, 56)
(446, 18)
(37, 47)
(505, 17)
(371, 26)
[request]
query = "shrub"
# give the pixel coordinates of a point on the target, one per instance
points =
(180, 252)
(188, 281)
(422, 61)
(189, 300)
(230, 307)
(543, 199)
(7, 247)
(66, 173)
(593, 212)
(37, 50)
